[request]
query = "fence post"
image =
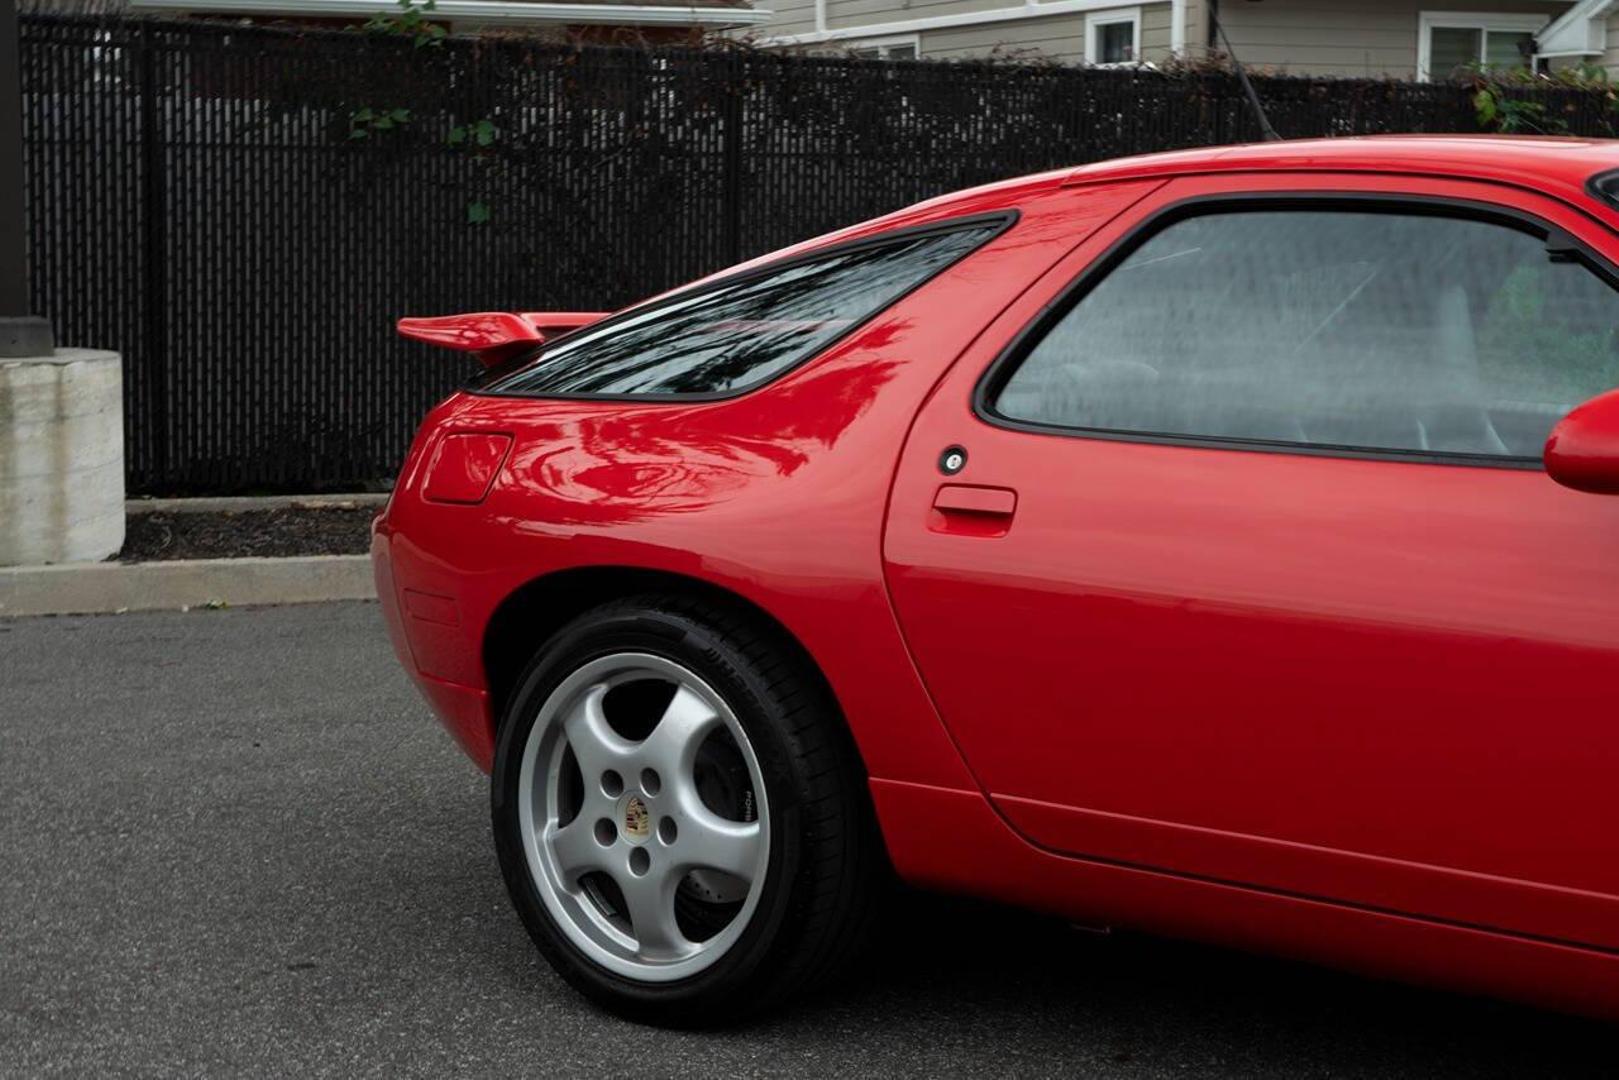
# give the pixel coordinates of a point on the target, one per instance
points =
(155, 338)
(21, 332)
(733, 159)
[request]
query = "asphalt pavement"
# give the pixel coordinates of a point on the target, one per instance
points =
(234, 843)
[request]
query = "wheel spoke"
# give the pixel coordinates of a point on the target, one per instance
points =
(576, 849)
(673, 743)
(596, 746)
(651, 903)
(708, 841)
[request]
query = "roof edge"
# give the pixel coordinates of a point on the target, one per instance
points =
(1558, 167)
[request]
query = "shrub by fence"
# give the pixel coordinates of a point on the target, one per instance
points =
(243, 212)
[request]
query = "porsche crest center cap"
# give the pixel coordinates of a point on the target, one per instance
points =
(637, 821)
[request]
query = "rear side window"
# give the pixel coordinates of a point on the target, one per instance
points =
(1397, 331)
(737, 334)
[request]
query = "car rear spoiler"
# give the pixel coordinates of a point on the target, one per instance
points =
(495, 336)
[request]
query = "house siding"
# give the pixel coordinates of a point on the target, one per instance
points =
(1055, 37)
(1060, 37)
(1369, 38)
(846, 14)
(1155, 31)
(790, 17)
(1610, 58)
(1344, 37)
(1197, 27)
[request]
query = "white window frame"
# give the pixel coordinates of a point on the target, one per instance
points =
(1488, 22)
(1095, 20)
(883, 44)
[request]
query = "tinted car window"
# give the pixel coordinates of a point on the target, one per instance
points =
(1339, 328)
(740, 334)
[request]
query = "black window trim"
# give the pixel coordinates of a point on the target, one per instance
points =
(1002, 220)
(1594, 187)
(1558, 241)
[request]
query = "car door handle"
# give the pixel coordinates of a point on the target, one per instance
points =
(972, 510)
(972, 499)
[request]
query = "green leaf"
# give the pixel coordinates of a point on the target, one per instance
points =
(484, 132)
(358, 133)
(477, 213)
(457, 136)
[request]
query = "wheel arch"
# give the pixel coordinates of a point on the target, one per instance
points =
(533, 612)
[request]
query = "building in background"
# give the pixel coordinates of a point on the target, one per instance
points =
(654, 19)
(1401, 39)
(1074, 31)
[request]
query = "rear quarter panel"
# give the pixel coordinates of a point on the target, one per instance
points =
(777, 495)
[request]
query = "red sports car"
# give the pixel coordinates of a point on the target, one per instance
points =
(1214, 543)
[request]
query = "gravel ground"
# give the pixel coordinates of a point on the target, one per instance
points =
(296, 530)
(234, 843)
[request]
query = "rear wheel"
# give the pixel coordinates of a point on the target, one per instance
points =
(680, 815)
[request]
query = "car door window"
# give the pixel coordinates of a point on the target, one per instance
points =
(737, 334)
(1361, 329)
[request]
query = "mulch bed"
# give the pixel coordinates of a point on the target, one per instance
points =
(340, 529)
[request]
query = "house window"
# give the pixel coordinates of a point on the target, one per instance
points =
(1113, 37)
(895, 48)
(1451, 40)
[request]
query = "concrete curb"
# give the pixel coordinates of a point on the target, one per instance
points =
(102, 588)
(238, 503)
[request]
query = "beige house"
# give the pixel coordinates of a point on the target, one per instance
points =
(1404, 39)
(648, 17)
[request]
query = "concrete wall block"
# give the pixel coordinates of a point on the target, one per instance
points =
(61, 457)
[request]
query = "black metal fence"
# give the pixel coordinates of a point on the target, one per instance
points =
(243, 212)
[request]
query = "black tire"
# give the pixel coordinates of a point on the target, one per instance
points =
(826, 867)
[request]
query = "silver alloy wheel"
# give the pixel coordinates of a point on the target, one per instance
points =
(640, 821)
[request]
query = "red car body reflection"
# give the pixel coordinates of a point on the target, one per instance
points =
(1353, 710)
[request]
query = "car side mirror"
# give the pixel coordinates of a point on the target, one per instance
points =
(1583, 449)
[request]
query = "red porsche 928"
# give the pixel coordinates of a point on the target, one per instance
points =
(1218, 543)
